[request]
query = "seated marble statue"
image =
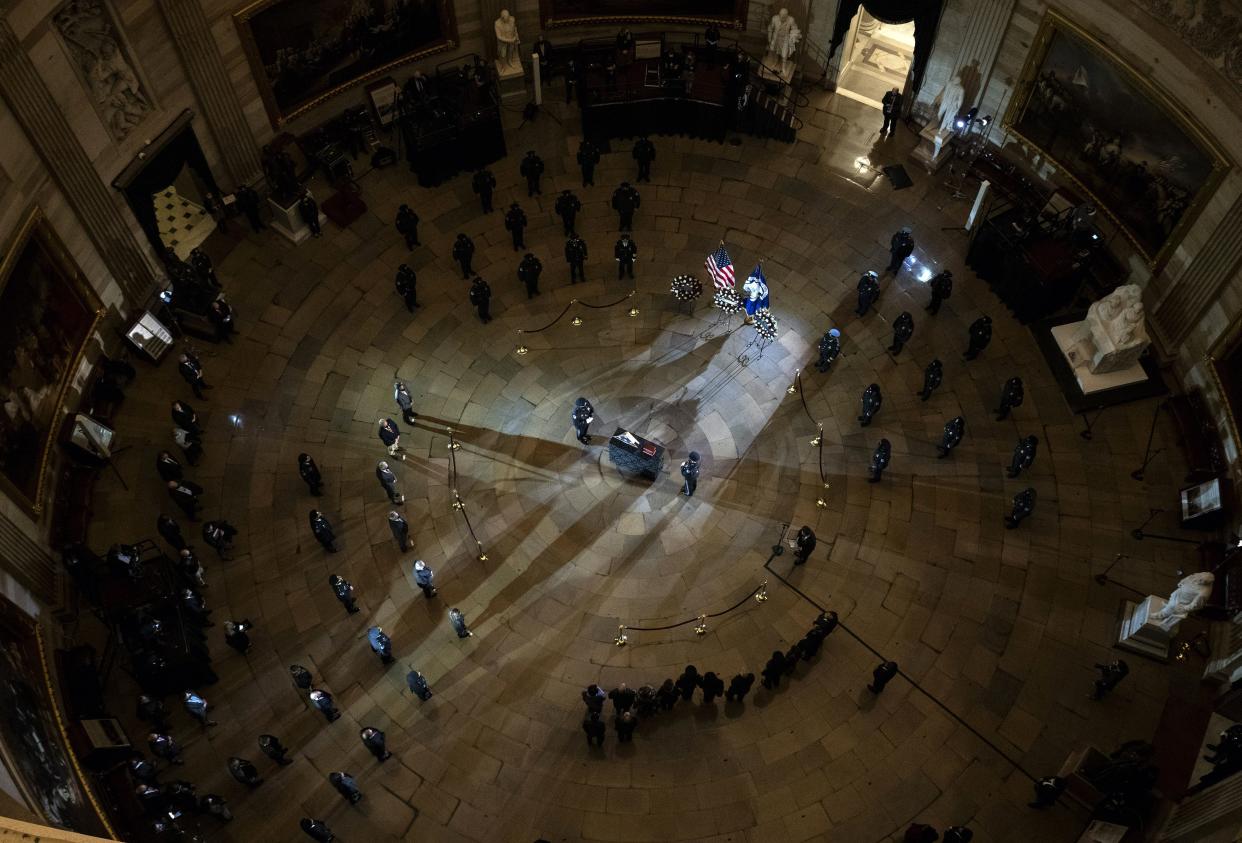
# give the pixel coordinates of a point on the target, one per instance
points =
(507, 40)
(1114, 335)
(1191, 594)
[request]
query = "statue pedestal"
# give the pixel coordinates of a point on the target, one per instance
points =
(1138, 633)
(933, 149)
(512, 79)
(288, 221)
(771, 70)
(1066, 337)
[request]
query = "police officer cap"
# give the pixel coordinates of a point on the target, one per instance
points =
(833, 332)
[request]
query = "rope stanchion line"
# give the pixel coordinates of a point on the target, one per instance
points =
(759, 593)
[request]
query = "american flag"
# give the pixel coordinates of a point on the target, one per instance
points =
(720, 268)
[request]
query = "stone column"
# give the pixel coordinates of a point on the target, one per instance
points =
(95, 205)
(1210, 270)
(27, 562)
(985, 27)
(191, 33)
(489, 10)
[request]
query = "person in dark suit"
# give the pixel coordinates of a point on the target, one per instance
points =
(1110, 676)
(594, 728)
(903, 329)
(346, 785)
(644, 153)
(588, 157)
(871, 400)
(170, 530)
(528, 273)
(151, 710)
(400, 530)
(388, 479)
(220, 315)
(192, 371)
(418, 686)
(739, 687)
(1023, 456)
(713, 686)
(774, 670)
(1023, 506)
(184, 493)
(165, 747)
(390, 435)
(623, 698)
(582, 416)
(900, 247)
(309, 472)
(593, 696)
(980, 336)
(308, 210)
(481, 298)
(235, 635)
(625, 201)
(687, 682)
(690, 474)
(381, 644)
(405, 402)
(463, 253)
(1011, 397)
(407, 226)
(407, 286)
(868, 292)
(531, 169)
(344, 591)
(941, 287)
(248, 202)
(881, 676)
(483, 183)
(425, 578)
(373, 740)
(829, 349)
(168, 466)
(626, 251)
(322, 701)
(184, 417)
(301, 677)
(515, 224)
(567, 207)
(322, 530)
(932, 377)
(891, 106)
(575, 256)
(316, 830)
(954, 430)
(804, 545)
(879, 460)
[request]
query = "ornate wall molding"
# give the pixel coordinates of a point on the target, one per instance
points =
(1212, 28)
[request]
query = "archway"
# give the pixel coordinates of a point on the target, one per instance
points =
(876, 57)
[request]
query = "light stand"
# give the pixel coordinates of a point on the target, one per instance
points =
(1138, 534)
(1149, 454)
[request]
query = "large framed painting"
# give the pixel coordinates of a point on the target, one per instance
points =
(33, 745)
(48, 311)
(1121, 138)
(731, 13)
(304, 51)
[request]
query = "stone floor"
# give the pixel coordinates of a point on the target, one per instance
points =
(995, 631)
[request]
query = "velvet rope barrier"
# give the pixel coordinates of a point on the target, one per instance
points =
(522, 349)
(759, 592)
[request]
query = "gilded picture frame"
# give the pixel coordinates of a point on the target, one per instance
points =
(1120, 138)
(295, 47)
(563, 13)
(48, 313)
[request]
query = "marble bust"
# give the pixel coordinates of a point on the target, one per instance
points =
(783, 35)
(1191, 594)
(1114, 334)
(507, 40)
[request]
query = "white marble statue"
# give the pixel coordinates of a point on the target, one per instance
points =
(951, 99)
(1191, 594)
(783, 35)
(1114, 334)
(91, 37)
(507, 41)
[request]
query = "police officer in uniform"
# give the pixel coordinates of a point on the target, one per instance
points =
(582, 416)
(644, 154)
(980, 336)
(463, 253)
(625, 252)
(829, 348)
(932, 376)
(531, 169)
(515, 223)
(344, 592)
(1011, 396)
(481, 298)
(868, 292)
(625, 200)
(804, 545)
(1023, 456)
(900, 247)
(941, 287)
(407, 226)
(528, 273)
(588, 157)
(879, 460)
(567, 207)
(407, 286)
(871, 400)
(575, 256)
(483, 184)
(954, 430)
(1023, 506)
(903, 329)
(690, 471)
(322, 529)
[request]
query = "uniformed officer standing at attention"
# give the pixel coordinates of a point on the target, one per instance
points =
(531, 169)
(879, 460)
(829, 348)
(954, 430)
(980, 336)
(567, 207)
(941, 288)
(483, 184)
(932, 376)
(868, 292)
(407, 287)
(463, 253)
(582, 416)
(575, 256)
(407, 226)
(903, 329)
(322, 530)
(1023, 506)
(528, 273)
(690, 472)
(481, 298)
(644, 154)
(871, 400)
(1011, 396)
(625, 251)
(900, 247)
(515, 223)
(1023, 456)
(344, 592)
(588, 157)
(625, 200)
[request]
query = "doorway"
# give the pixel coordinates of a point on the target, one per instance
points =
(877, 58)
(181, 212)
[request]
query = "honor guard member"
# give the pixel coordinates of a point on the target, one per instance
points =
(316, 830)
(625, 252)
(625, 200)
(871, 400)
(1011, 396)
(271, 746)
(528, 273)
(235, 635)
(900, 247)
(322, 701)
(373, 740)
(690, 472)
(310, 473)
(571, 78)
(483, 183)
(457, 620)
(567, 208)
(515, 224)
(308, 209)
(891, 106)
(301, 677)
(417, 683)
(381, 644)
(1023, 506)
(576, 255)
(425, 578)
(879, 460)
(868, 292)
(244, 772)
(407, 226)
(954, 430)
(588, 157)
(322, 530)
(941, 287)
(582, 416)
(1023, 456)
(463, 253)
(804, 545)
(903, 329)
(345, 785)
(980, 336)
(881, 676)
(829, 349)
(644, 153)
(481, 298)
(1110, 676)
(531, 169)
(401, 395)
(406, 284)
(932, 376)
(344, 591)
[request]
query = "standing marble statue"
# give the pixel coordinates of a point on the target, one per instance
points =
(951, 99)
(783, 35)
(1113, 336)
(1191, 594)
(507, 41)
